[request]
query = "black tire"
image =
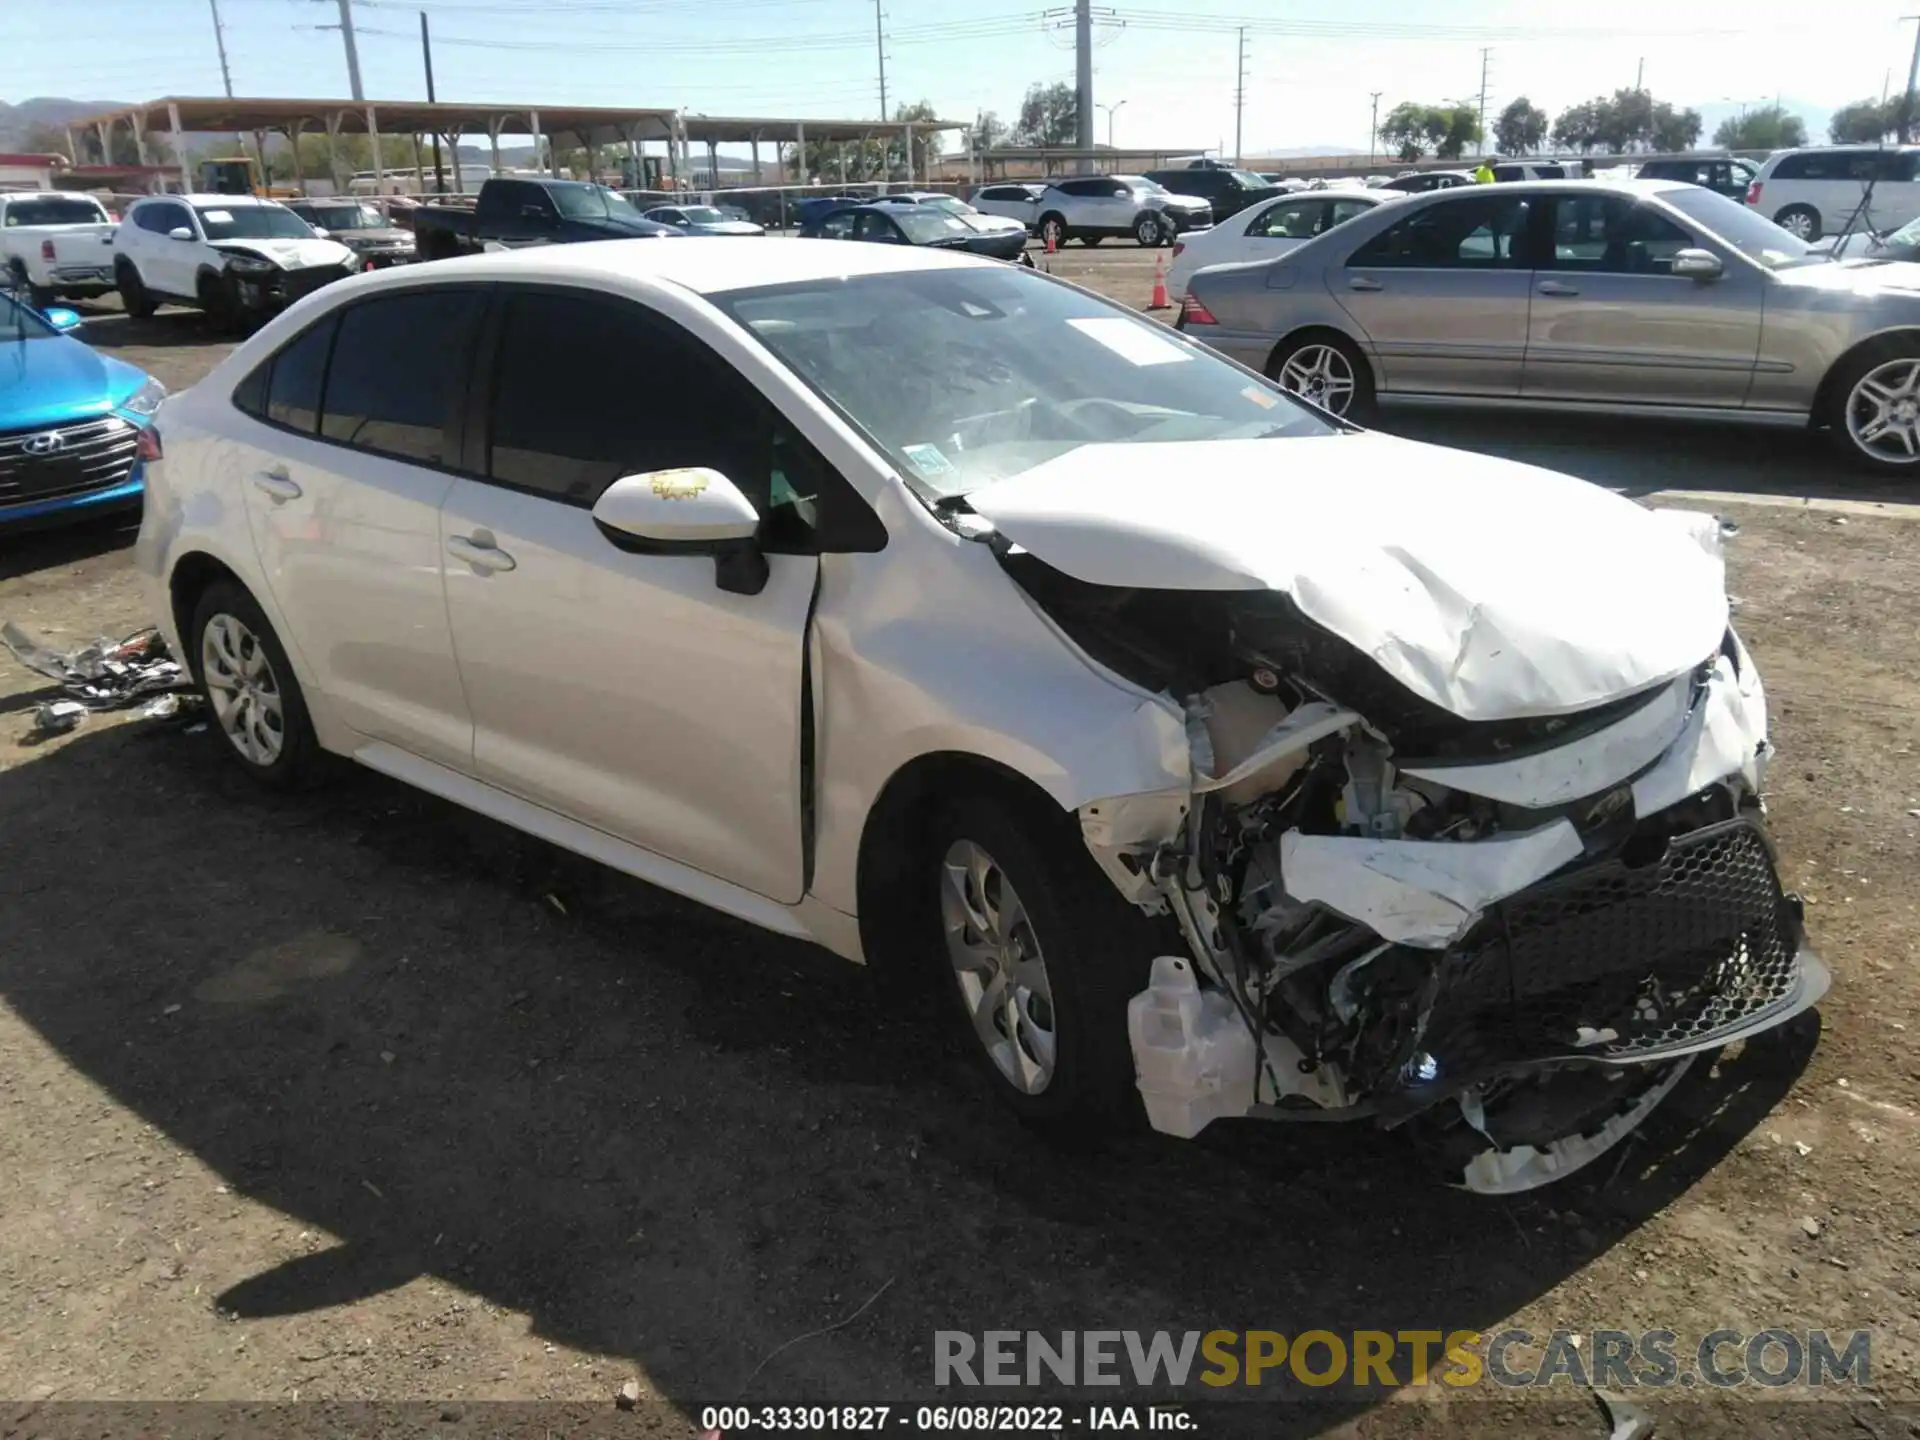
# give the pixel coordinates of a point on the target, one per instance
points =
(1847, 375)
(1150, 231)
(135, 299)
(1054, 227)
(218, 301)
(1791, 217)
(1096, 949)
(299, 760)
(1361, 406)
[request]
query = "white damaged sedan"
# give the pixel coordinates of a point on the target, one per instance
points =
(1220, 757)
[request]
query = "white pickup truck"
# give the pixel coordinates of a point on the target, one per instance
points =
(54, 244)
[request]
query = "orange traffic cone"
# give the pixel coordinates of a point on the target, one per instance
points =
(1159, 301)
(1050, 245)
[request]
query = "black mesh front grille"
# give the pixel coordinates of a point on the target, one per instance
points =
(301, 283)
(76, 459)
(1616, 960)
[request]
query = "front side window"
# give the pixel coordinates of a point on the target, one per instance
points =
(839, 225)
(252, 222)
(966, 377)
(587, 390)
(397, 366)
(869, 226)
(1473, 232)
(702, 215)
(929, 227)
(1609, 234)
(56, 211)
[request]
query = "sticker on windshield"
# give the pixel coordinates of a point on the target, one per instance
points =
(1131, 340)
(928, 459)
(1265, 399)
(217, 217)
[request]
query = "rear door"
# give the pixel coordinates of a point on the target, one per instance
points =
(1610, 321)
(343, 483)
(1442, 294)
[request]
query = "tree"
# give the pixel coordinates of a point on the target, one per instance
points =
(1675, 129)
(927, 144)
(1578, 127)
(1521, 128)
(1864, 122)
(1049, 115)
(989, 132)
(1406, 129)
(1459, 127)
(1770, 127)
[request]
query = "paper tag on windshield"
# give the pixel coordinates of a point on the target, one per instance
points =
(217, 217)
(1131, 340)
(928, 459)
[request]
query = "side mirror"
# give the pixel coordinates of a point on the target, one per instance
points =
(1697, 264)
(180, 232)
(61, 318)
(695, 511)
(322, 231)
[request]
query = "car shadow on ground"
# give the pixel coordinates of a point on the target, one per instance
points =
(114, 329)
(65, 541)
(666, 1136)
(1642, 456)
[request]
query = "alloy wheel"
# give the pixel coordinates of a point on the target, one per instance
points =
(998, 966)
(1147, 232)
(1797, 223)
(1321, 374)
(1883, 412)
(243, 690)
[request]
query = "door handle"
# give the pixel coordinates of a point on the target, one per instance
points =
(480, 552)
(1361, 282)
(1554, 287)
(277, 484)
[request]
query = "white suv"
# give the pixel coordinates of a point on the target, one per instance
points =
(1823, 191)
(234, 256)
(1089, 208)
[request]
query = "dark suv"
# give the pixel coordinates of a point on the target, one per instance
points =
(1723, 174)
(1227, 191)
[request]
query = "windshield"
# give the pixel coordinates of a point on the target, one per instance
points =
(55, 212)
(580, 201)
(252, 222)
(17, 322)
(1140, 185)
(702, 215)
(948, 204)
(1753, 235)
(930, 229)
(1249, 179)
(346, 217)
(966, 377)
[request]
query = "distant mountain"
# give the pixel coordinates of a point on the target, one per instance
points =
(17, 120)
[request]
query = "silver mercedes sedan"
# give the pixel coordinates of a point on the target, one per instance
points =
(1635, 297)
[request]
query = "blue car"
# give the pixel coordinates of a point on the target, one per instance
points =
(73, 422)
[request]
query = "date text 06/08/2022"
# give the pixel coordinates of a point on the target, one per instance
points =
(718, 1420)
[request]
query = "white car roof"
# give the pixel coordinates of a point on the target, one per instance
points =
(222, 202)
(706, 265)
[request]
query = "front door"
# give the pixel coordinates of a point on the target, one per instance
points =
(1442, 295)
(172, 266)
(628, 691)
(343, 490)
(1611, 322)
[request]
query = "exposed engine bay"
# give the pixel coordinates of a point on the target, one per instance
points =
(1507, 938)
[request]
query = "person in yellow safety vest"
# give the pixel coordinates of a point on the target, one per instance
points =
(1483, 174)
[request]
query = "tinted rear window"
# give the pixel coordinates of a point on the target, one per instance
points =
(396, 367)
(55, 212)
(299, 371)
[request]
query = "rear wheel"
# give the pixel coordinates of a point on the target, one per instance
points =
(1802, 221)
(134, 296)
(259, 715)
(38, 296)
(1325, 369)
(1042, 955)
(1876, 415)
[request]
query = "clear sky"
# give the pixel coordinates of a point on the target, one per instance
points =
(1168, 66)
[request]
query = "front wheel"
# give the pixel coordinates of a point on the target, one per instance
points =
(1150, 231)
(1325, 370)
(1053, 232)
(1877, 419)
(1043, 955)
(260, 717)
(135, 298)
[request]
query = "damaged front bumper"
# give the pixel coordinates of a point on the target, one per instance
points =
(1513, 959)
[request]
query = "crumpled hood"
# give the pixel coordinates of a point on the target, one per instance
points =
(290, 254)
(1496, 590)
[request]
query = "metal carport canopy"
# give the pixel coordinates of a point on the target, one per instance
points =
(740, 130)
(589, 124)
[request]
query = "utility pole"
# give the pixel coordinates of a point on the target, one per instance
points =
(880, 48)
(220, 43)
(353, 53)
(1373, 130)
(1083, 72)
(1640, 76)
(1480, 147)
(1905, 124)
(426, 54)
(1239, 93)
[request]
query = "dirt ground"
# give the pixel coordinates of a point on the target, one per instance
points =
(355, 1096)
